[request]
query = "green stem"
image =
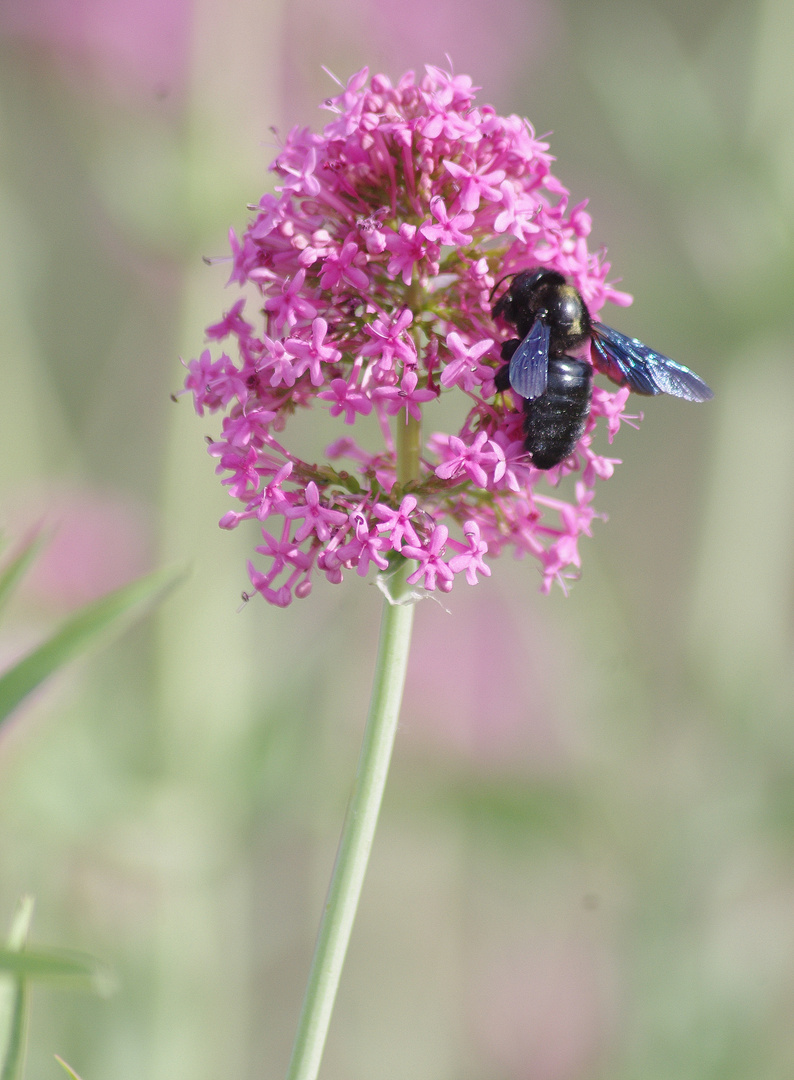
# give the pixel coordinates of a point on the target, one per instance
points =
(364, 806)
(409, 447)
(356, 841)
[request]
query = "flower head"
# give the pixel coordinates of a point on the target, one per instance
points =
(374, 262)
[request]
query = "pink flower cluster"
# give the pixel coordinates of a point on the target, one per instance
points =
(373, 264)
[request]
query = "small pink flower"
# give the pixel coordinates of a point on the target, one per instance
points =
(518, 214)
(290, 304)
(388, 337)
(243, 479)
(475, 186)
(365, 548)
(612, 407)
(465, 369)
(398, 522)
(231, 323)
(240, 430)
(433, 572)
(301, 180)
(408, 248)
(205, 378)
(347, 399)
(273, 500)
(317, 518)
(471, 558)
(277, 364)
(449, 229)
(344, 268)
(310, 355)
(409, 396)
(472, 461)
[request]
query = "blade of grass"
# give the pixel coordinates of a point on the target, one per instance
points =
(15, 570)
(49, 963)
(80, 631)
(68, 1068)
(14, 999)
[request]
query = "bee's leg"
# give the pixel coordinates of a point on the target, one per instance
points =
(502, 379)
(509, 347)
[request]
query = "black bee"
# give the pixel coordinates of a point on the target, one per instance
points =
(557, 388)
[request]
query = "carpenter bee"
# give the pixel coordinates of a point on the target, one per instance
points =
(546, 365)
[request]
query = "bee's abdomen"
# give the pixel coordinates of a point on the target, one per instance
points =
(554, 422)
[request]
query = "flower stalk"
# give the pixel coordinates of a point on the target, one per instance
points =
(409, 449)
(365, 801)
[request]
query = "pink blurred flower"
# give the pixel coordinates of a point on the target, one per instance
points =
(139, 46)
(496, 45)
(97, 542)
(374, 263)
(484, 688)
(545, 1010)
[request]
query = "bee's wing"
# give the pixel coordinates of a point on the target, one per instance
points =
(529, 364)
(627, 361)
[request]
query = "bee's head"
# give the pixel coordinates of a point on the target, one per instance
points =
(529, 292)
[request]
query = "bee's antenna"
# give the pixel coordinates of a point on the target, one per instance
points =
(499, 282)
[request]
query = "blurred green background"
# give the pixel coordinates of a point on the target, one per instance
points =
(585, 865)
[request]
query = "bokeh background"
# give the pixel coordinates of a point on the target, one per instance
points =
(585, 865)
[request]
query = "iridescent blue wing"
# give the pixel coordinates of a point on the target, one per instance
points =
(628, 362)
(529, 364)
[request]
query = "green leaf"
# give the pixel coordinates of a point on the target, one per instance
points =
(14, 999)
(68, 1068)
(80, 632)
(48, 963)
(12, 574)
